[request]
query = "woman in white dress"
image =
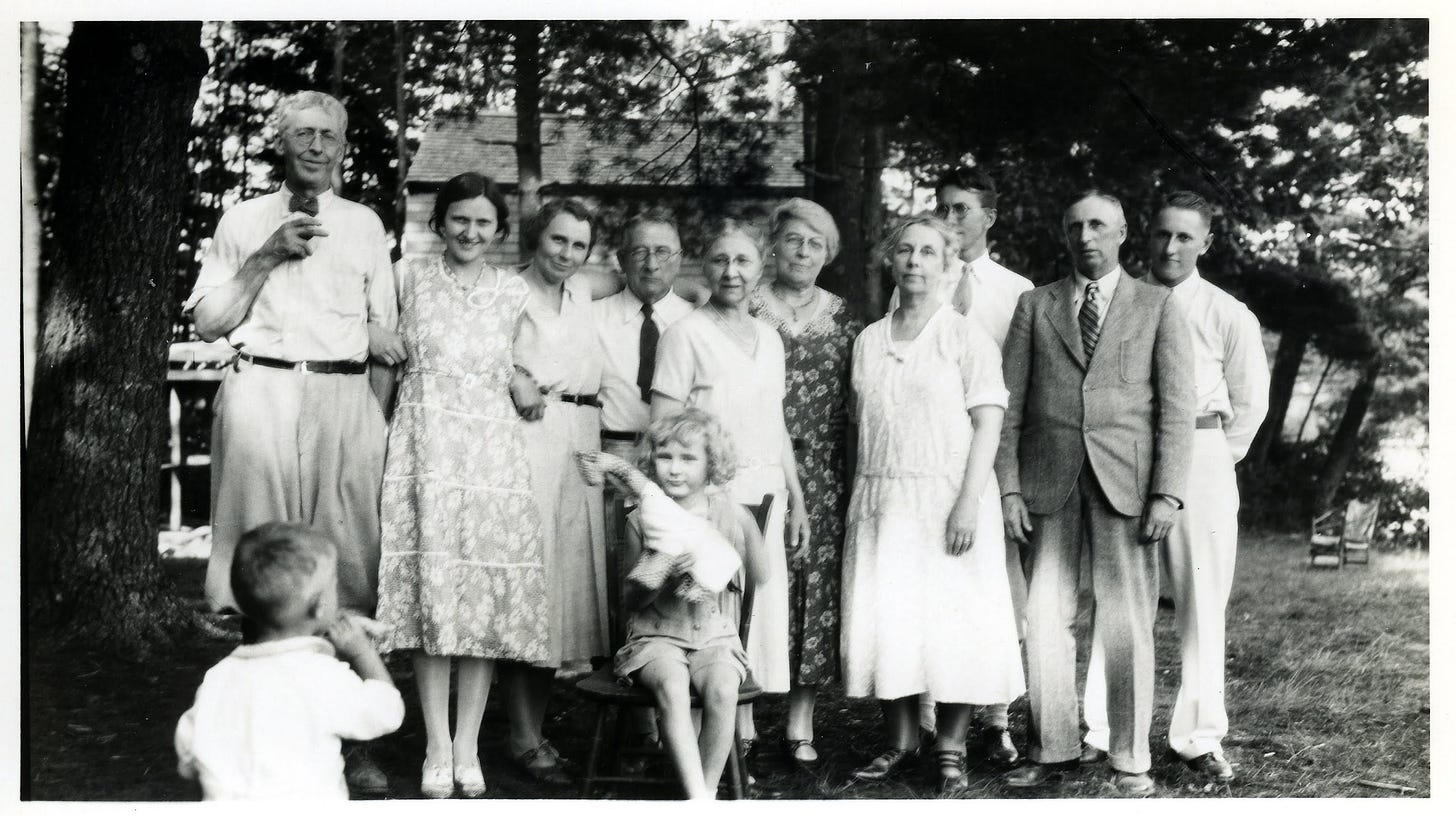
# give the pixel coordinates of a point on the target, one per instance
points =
(927, 606)
(721, 359)
(558, 348)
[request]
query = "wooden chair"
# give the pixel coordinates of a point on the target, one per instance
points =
(611, 697)
(1336, 537)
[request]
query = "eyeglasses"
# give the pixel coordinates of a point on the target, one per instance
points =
(795, 242)
(303, 138)
(662, 254)
(960, 209)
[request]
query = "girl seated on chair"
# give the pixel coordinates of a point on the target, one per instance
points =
(686, 539)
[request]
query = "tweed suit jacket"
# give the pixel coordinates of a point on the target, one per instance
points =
(1129, 412)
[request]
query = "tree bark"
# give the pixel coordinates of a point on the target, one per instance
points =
(1345, 442)
(1287, 360)
(30, 228)
(849, 149)
(336, 85)
(528, 121)
(99, 428)
(401, 137)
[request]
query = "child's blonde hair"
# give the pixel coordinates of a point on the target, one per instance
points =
(685, 427)
(280, 566)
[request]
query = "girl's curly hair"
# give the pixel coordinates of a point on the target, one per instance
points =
(684, 427)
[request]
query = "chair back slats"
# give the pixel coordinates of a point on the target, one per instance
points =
(1360, 522)
(761, 513)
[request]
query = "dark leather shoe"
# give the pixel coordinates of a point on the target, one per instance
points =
(951, 767)
(1035, 774)
(890, 762)
(1129, 784)
(1211, 766)
(1091, 755)
(362, 774)
(999, 749)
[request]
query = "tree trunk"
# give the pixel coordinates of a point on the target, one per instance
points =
(1287, 360)
(1314, 398)
(848, 153)
(1346, 440)
(336, 86)
(91, 471)
(401, 137)
(528, 121)
(30, 228)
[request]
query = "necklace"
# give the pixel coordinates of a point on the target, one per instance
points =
(794, 308)
(458, 279)
(742, 334)
(475, 296)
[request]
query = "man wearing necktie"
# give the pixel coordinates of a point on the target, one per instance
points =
(1096, 444)
(628, 326)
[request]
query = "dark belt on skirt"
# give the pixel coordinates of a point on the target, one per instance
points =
(1206, 422)
(589, 400)
(621, 436)
(306, 366)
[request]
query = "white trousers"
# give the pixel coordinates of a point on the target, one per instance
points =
(1198, 557)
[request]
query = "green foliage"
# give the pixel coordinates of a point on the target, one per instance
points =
(1281, 497)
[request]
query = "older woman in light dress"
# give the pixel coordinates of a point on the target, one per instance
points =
(927, 605)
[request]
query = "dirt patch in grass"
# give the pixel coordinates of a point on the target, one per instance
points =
(1328, 685)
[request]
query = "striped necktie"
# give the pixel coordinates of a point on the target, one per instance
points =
(1087, 318)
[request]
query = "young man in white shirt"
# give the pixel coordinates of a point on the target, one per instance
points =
(1231, 375)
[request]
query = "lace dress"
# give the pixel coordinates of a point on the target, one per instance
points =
(461, 564)
(917, 619)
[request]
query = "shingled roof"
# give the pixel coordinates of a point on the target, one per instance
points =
(581, 152)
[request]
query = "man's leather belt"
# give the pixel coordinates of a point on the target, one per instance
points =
(307, 366)
(589, 400)
(621, 436)
(1206, 422)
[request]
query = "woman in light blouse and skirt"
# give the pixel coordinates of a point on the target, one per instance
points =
(558, 348)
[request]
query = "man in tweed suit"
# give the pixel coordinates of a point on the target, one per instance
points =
(1094, 450)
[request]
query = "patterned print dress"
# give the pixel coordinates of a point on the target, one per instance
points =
(461, 569)
(816, 410)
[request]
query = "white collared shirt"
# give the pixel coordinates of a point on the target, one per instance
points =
(991, 289)
(310, 308)
(560, 349)
(1230, 371)
(268, 718)
(1106, 285)
(619, 332)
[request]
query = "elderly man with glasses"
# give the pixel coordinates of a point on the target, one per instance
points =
(298, 281)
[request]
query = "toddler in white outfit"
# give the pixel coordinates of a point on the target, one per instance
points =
(268, 718)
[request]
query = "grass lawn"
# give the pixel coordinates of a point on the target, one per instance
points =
(1328, 688)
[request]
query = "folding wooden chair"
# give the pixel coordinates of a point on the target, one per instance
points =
(1336, 537)
(612, 697)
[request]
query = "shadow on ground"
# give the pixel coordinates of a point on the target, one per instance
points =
(1328, 688)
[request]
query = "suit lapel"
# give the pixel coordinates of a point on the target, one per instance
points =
(1064, 318)
(1118, 311)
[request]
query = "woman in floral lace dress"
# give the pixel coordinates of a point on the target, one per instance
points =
(461, 567)
(818, 330)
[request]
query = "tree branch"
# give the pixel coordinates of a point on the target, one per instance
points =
(691, 79)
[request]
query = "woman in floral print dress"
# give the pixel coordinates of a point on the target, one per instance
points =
(461, 570)
(818, 330)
